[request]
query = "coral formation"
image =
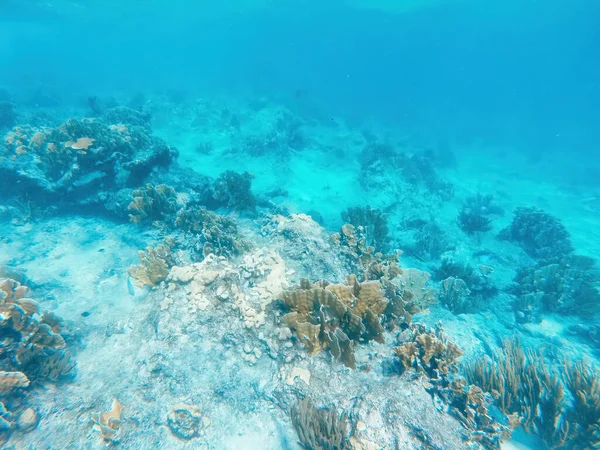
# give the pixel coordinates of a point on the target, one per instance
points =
(155, 263)
(307, 247)
(416, 168)
(81, 159)
(226, 281)
(208, 233)
(429, 242)
(336, 316)
(464, 289)
(233, 190)
(427, 350)
(456, 296)
(151, 203)
(372, 221)
(541, 235)
(473, 222)
(533, 394)
(363, 260)
(31, 343)
(108, 423)
(483, 204)
(31, 349)
(568, 287)
(320, 429)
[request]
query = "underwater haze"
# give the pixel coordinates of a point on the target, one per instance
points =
(299, 224)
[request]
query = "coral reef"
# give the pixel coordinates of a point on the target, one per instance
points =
(82, 159)
(320, 429)
(416, 169)
(233, 190)
(336, 316)
(473, 222)
(155, 263)
(32, 349)
(373, 222)
(363, 260)
(568, 287)
(429, 242)
(152, 203)
(306, 246)
(456, 296)
(426, 350)
(483, 204)
(464, 289)
(279, 140)
(533, 394)
(208, 233)
(541, 235)
(226, 281)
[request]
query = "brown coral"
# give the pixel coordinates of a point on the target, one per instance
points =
(155, 263)
(108, 423)
(34, 341)
(335, 316)
(82, 144)
(427, 350)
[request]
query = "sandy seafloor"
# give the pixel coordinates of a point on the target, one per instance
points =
(152, 350)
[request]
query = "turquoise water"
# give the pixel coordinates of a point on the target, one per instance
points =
(296, 224)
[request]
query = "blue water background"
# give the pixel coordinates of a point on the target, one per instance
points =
(524, 73)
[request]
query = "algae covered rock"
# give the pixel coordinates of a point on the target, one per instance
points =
(186, 421)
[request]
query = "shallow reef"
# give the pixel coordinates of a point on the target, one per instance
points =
(192, 294)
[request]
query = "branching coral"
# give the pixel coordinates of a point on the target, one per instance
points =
(583, 418)
(152, 203)
(473, 222)
(320, 429)
(429, 352)
(526, 389)
(373, 222)
(483, 204)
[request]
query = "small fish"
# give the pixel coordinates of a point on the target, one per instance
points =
(130, 287)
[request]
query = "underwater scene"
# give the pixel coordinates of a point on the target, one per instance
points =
(299, 224)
